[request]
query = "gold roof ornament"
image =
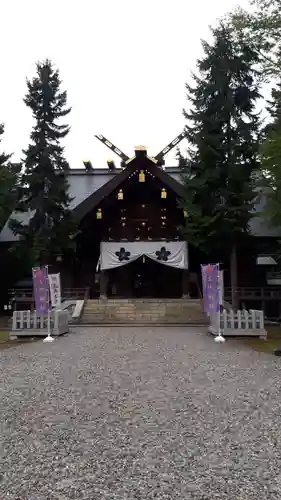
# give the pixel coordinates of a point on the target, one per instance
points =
(141, 176)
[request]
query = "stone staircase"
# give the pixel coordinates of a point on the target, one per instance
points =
(144, 312)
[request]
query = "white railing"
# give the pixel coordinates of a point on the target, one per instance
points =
(30, 322)
(74, 309)
(242, 319)
(78, 309)
(241, 322)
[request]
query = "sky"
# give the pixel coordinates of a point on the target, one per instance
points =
(124, 64)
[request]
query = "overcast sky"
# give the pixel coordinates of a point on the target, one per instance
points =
(124, 64)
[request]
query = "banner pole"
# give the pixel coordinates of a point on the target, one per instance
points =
(219, 337)
(49, 338)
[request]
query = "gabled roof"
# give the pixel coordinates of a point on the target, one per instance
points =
(87, 189)
(96, 197)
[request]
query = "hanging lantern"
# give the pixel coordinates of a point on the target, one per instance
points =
(141, 176)
(185, 214)
(163, 193)
(99, 213)
(120, 194)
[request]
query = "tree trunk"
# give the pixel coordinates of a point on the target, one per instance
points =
(234, 278)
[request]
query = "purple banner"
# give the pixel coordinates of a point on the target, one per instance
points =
(204, 281)
(210, 286)
(41, 290)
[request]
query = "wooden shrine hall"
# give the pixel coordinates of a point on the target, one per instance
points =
(129, 243)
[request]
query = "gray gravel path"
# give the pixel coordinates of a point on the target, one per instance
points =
(139, 413)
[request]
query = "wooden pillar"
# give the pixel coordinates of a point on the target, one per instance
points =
(185, 284)
(103, 284)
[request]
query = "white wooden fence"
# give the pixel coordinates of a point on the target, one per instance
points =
(28, 323)
(242, 322)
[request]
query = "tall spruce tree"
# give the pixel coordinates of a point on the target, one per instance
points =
(271, 158)
(261, 27)
(45, 195)
(222, 128)
(9, 184)
(9, 192)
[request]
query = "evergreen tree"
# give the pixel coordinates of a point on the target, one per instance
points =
(9, 192)
(45, 195)
(261, 27)
(222, 129)
(9, 182)
(271, 158)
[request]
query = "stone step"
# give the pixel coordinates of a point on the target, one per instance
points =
(138, 311)
(143, 311)
(93, 308)
(164, 319)
(142, 324)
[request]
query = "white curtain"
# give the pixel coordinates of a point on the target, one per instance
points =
(116, 254)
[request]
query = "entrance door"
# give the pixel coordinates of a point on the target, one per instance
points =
(151, 279)
(145, 278)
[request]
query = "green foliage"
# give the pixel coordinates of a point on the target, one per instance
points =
(271, 159)
(9, 192)
(45, 199)
(222, 129)
(9, 184)
(261, 28)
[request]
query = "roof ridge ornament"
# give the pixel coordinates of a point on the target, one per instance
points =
(111, 146)
(158, 159)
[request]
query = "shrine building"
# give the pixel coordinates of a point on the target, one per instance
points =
(129, 242)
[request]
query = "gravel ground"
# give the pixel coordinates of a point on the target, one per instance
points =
(139, 413)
